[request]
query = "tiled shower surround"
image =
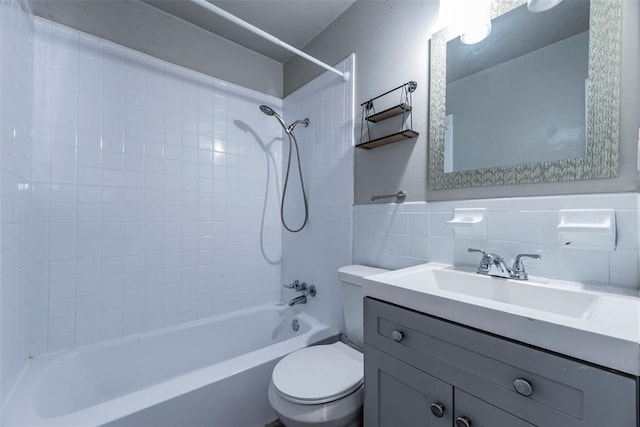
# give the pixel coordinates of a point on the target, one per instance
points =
(155, 197)
(401, 235)
(16, 121)
(326, 148)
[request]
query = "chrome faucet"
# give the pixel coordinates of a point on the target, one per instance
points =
(302, 299)
(494, 265)
(301, 287)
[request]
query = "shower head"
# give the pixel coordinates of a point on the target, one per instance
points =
(288, 129)
(267, 110)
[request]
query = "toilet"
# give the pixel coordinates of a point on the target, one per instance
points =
(323, 385)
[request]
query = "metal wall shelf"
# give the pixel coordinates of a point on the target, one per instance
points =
(403, 108)
(389, 139)
(389, 112)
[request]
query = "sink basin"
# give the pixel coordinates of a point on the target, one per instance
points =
(596, 324)
(515, 292)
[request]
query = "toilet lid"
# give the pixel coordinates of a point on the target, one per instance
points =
(319, 374)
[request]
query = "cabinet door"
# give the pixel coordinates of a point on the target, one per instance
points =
(477, 413)
(397, 394)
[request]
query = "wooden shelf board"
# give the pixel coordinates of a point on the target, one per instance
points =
(389, 139)
(389, 112)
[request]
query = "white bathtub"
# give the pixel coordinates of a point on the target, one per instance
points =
(214, 373)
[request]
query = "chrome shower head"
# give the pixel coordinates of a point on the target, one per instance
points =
(288, 129)
(267, 110)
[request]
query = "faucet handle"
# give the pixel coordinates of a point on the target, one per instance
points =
(520, 256)
(487, 257)
(477, 250)
(311, 291)
(518, 270)
(485, 262)
(294, 285)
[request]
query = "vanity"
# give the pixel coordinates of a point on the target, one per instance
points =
(448, 347)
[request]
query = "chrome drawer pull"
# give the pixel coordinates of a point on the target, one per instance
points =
(437, 409)
(397, 336)
(523, 387)
(463, 422)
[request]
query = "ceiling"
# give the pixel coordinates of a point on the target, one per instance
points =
(295, 22)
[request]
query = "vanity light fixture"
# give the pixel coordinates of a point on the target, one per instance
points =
(541, 5)
(477, 25)
(477, 33)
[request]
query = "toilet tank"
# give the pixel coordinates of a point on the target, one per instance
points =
(351, 277)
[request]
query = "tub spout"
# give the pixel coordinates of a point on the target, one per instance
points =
(302, 299)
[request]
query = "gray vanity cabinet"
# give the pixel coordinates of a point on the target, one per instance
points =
(478, 413)
(413, 361)
(400, 395)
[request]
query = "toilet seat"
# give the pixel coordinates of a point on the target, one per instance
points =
(319, 374)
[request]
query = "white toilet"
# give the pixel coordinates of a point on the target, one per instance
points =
(322, 385)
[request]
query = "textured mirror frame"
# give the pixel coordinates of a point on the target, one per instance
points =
(602, 160)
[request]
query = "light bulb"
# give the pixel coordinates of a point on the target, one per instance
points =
(541, 5)
(476, 33)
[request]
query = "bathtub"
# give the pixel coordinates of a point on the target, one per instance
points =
(213, 372)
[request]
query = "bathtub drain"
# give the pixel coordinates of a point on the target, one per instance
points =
(295, 325)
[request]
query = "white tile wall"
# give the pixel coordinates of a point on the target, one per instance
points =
(391, 235)
(155, 196)
(16, 122)
(326, 147)
(400, 235)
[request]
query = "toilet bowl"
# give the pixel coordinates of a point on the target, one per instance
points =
(323, 385)
(319, 386)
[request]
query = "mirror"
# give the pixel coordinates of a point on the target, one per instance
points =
(536, 101)
(538, 57)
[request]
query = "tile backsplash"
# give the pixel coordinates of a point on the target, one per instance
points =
(401, 235)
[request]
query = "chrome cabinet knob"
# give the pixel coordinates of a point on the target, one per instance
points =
(437, 409)
(397, 336)
(463, 422)
(523, 387)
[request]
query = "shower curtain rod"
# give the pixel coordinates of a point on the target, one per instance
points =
(244, 24)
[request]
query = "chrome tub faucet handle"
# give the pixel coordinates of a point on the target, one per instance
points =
(293, 285)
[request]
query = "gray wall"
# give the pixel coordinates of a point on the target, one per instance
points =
(144, 28)
(390, 40)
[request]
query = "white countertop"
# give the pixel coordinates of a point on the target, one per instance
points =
(609, 336)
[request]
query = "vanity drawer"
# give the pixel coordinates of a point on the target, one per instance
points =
(563, 391)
